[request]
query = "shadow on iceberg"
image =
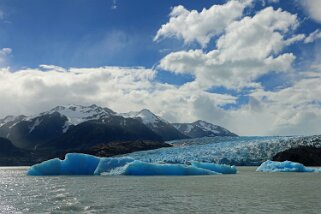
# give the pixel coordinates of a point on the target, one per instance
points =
(286, 166)
(82, 164)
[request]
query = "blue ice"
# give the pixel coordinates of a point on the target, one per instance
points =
(49, 167)
(286, 166)
(148, 169)
(82, 164)
(244, 151)
(73, 164)
(219, 168)
(108, 164)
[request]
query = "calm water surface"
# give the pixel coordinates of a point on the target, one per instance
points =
(246, 192)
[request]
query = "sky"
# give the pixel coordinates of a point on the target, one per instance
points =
(253, 67)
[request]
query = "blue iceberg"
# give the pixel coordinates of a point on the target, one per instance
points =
(147, 169)
(49, 167)
(73, 164)
(286, 166)
(82, 164)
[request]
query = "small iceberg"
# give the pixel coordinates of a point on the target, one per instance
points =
(82, 164)
(286, 166)
(73, 164)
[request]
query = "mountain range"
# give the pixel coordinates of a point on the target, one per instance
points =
(81, 128)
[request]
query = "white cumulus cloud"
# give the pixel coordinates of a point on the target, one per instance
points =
(201, 26)
(315, 35)
(248, 49)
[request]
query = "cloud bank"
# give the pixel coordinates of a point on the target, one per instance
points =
(123, 89)
(293, 110)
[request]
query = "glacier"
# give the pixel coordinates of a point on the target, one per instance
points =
(286, 166)
(82, 164)
(240, 151)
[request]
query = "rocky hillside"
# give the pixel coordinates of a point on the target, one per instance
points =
(307, 155)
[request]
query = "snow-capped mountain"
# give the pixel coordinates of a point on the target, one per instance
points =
(202, 129)
(7, 119)
(80, 126)
(90, 129)
(73, 126)
(146, 116)
(77, 114)
(26, 132)
(7, 123)
(11, 120)
(156, 124)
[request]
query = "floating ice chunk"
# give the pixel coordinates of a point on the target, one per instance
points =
(219, 168)
(144, 169)
(286, 166)
(73, 164)
(107, 164)
(49, 167)
(82, 164)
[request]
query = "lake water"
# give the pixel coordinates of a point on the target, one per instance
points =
(246, 192)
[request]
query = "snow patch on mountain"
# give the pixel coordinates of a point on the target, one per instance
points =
(210, 127)
(147, 117)
(188, 128)
(66, 126)
(77, 114)
(12, 120)
(207, 126)
(7, 119)
(36, 123)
